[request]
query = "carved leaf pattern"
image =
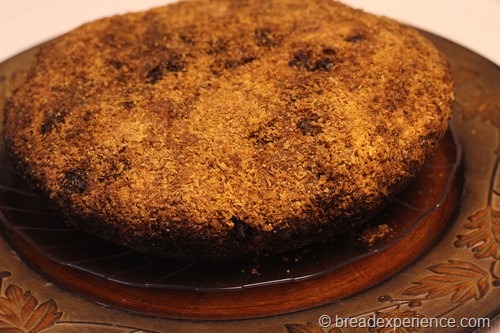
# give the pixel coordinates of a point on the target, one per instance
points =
(484, 239)
(309, 328)
(21, 312)
(464, 280)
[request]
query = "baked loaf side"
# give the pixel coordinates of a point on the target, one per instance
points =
(228, 128)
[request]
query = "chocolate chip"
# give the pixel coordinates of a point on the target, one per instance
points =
(117, 64)
(329, 51)
(175, 64)
(355, 38)
(325, 64)
(154, 75)
(232, 63)
(301, 58)
(303, 125)
(247, 59)
(87, 116)
(52, 121)
(307, 126)
(75, 181)
(306, 60)
(129, 105)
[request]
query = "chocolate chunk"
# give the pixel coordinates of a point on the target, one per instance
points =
(129, 105)
(310, 62)
(231, 63)
(355, 38)
(154, 75)
(52, 121)
(175, 64)
(301, 58)
(117, 64)
(329, 51)
(75, 181)
(325, 64)
(307, 126)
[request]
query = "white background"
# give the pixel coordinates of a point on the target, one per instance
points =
(474, 24)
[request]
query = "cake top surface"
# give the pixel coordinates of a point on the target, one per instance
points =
(220, 111)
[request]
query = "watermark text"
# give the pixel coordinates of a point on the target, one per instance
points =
(395, 323)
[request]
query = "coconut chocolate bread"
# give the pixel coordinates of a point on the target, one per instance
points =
(226, 129)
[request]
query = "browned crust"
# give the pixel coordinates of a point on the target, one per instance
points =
(226, 128)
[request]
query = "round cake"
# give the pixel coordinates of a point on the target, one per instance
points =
(225, 129)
